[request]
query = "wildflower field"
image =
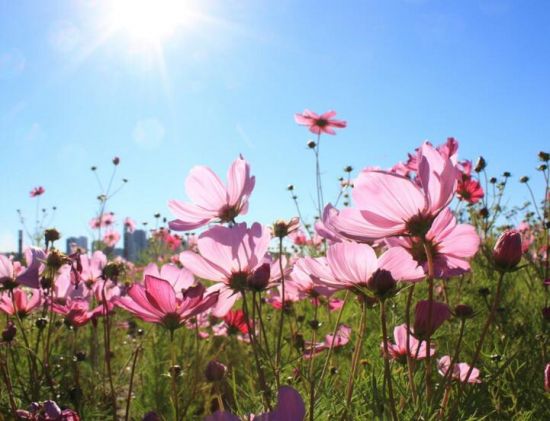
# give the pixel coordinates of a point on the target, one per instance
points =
(415, 295)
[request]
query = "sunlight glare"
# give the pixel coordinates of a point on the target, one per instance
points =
(148, 20)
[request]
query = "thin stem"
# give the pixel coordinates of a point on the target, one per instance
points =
(173, 376)
(278, 350)
(410, 361)
(430, 262)
(355, 358)
(329, 353)
(133, 370)
(311, 373)
(387, 372)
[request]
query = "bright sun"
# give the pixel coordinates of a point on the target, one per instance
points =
(149, 21)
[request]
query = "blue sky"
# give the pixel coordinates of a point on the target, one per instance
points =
(228, 80)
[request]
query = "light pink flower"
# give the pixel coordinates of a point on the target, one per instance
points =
(342, 337)
(37, 191)
(111, 237)
(21, 303)
(318, 124)
(451, 245)
(211, 200)
(91, 267)
(156, 302)
(459, 370)
(228, 256)
(388, 204)
(352, 265)
(129, 224)
(398, 351)
(14, 272)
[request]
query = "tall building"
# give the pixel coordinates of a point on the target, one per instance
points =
(80, 242)
(134, 243)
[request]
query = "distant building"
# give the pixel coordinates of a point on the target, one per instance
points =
(73, 242)
(134, 243)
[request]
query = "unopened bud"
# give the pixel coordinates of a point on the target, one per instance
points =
(259, 280)
(116, 160)
(311, 144)
(481, 164)
(215, 371)
(524, 179)
(51, 235)
(463, 311)
(507, 251)
(348, 168)
(544, 156)
(9, 332)
(381, 283)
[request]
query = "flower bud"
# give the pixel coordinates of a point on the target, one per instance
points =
(348, 168)
(311, 144)
(507, 251)
(51, 235)
(215, 371)
(290, 187)
(544, 156)
(381, 283)
(52, 410)
(260, 278)
(524, 179)
(9, 332)
(116, 160)
(464, 311)
(506, 174)
(481, 164)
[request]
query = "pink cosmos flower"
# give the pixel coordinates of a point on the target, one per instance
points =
(459, 370)
(353, 266)
(111, 237)
(398, 351)
(180, 278)
(106, 220)
(290, 407)
(342, 337)
(451, 245)
(318, 124)
(76, 311)
(129, 224)
(234, 323)
(388, 204)
(14, 272)
(211, 200)
(37, 191)
(91, 267)
(527, 235)
(229, 256)
(156, 302)
(21, 303)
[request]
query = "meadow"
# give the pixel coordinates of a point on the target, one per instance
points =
(416, 295)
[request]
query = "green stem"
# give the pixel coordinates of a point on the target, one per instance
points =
(387, 372)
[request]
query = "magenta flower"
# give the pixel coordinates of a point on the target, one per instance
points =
(180, 278)
(388, 204)
(398, 351)
(318, 124)
(37, 191)
(156, 302)
(355, 266)
(228, 256)
(459, 370)
(76, 311)
(451, 245)
(423, 326)
(211, 200)
(21, 303)
(290, 407)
